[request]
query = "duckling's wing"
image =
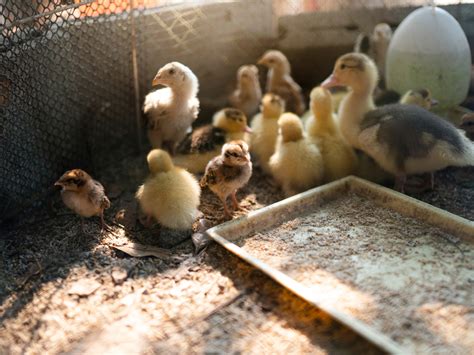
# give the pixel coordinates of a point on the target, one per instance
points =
(293, 85)
(411, 131)
(291, 92)
(201, 140)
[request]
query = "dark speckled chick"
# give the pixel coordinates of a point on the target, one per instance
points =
(228, 172)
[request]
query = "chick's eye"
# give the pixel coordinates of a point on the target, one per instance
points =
(171, 71)
(343, 66)
(227, 154)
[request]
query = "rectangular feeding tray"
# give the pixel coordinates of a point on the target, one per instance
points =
(396, 270)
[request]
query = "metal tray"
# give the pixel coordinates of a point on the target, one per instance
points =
(310, 201)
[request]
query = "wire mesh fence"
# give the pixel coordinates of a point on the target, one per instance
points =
(73, 74)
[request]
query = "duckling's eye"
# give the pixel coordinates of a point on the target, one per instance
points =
(271, 60)
(171, 71)
(343, 66)
(227, 154)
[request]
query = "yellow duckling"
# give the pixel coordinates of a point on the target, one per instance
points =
(338, 157)
(205, 142)
(297, 164)
(170, 195)
(421, 97)
(265, 129)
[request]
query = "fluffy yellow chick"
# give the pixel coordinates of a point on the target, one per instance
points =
(265, 129)
(204, 143)
(170, 194)
(234, 122)
(171, 111)
(248, 93)
(338, 157)
(280, 82)
(82, 194)
(297, 164)
(228, 172)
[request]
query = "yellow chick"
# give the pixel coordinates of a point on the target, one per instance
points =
(228, 172)
(338, 157)
(280, 82)
(172, 110)
(204, 143)
(170, 194)
(234, 122)
(248, 93)
(265, 129)
(297, 164)
(82, 194)
(421, 97)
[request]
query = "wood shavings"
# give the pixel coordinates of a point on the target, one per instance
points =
(84, 287)
(380, 267)
(139, 250)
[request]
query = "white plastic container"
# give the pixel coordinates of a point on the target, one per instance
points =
(430, 50)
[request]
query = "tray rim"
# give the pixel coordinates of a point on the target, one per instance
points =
(374, 336)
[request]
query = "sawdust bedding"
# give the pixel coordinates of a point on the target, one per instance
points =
(182, 303)
(411, 281)
(65, 292)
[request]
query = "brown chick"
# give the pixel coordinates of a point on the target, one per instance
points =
(228, 172)
(82, 194)
(248, 94)
(280, 82)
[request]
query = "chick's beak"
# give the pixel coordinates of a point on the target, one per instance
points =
(58, 183)
(156, 80)
(248, 129)
(261, 61)
(330, 82)
(434, 102)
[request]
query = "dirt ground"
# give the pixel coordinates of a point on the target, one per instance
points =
(62, 291)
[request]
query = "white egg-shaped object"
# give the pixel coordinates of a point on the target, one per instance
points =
(430, 50)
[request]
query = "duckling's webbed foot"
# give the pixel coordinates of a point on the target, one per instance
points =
(400, 181)
(420, 184)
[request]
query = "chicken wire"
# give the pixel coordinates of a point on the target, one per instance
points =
(73, 74)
